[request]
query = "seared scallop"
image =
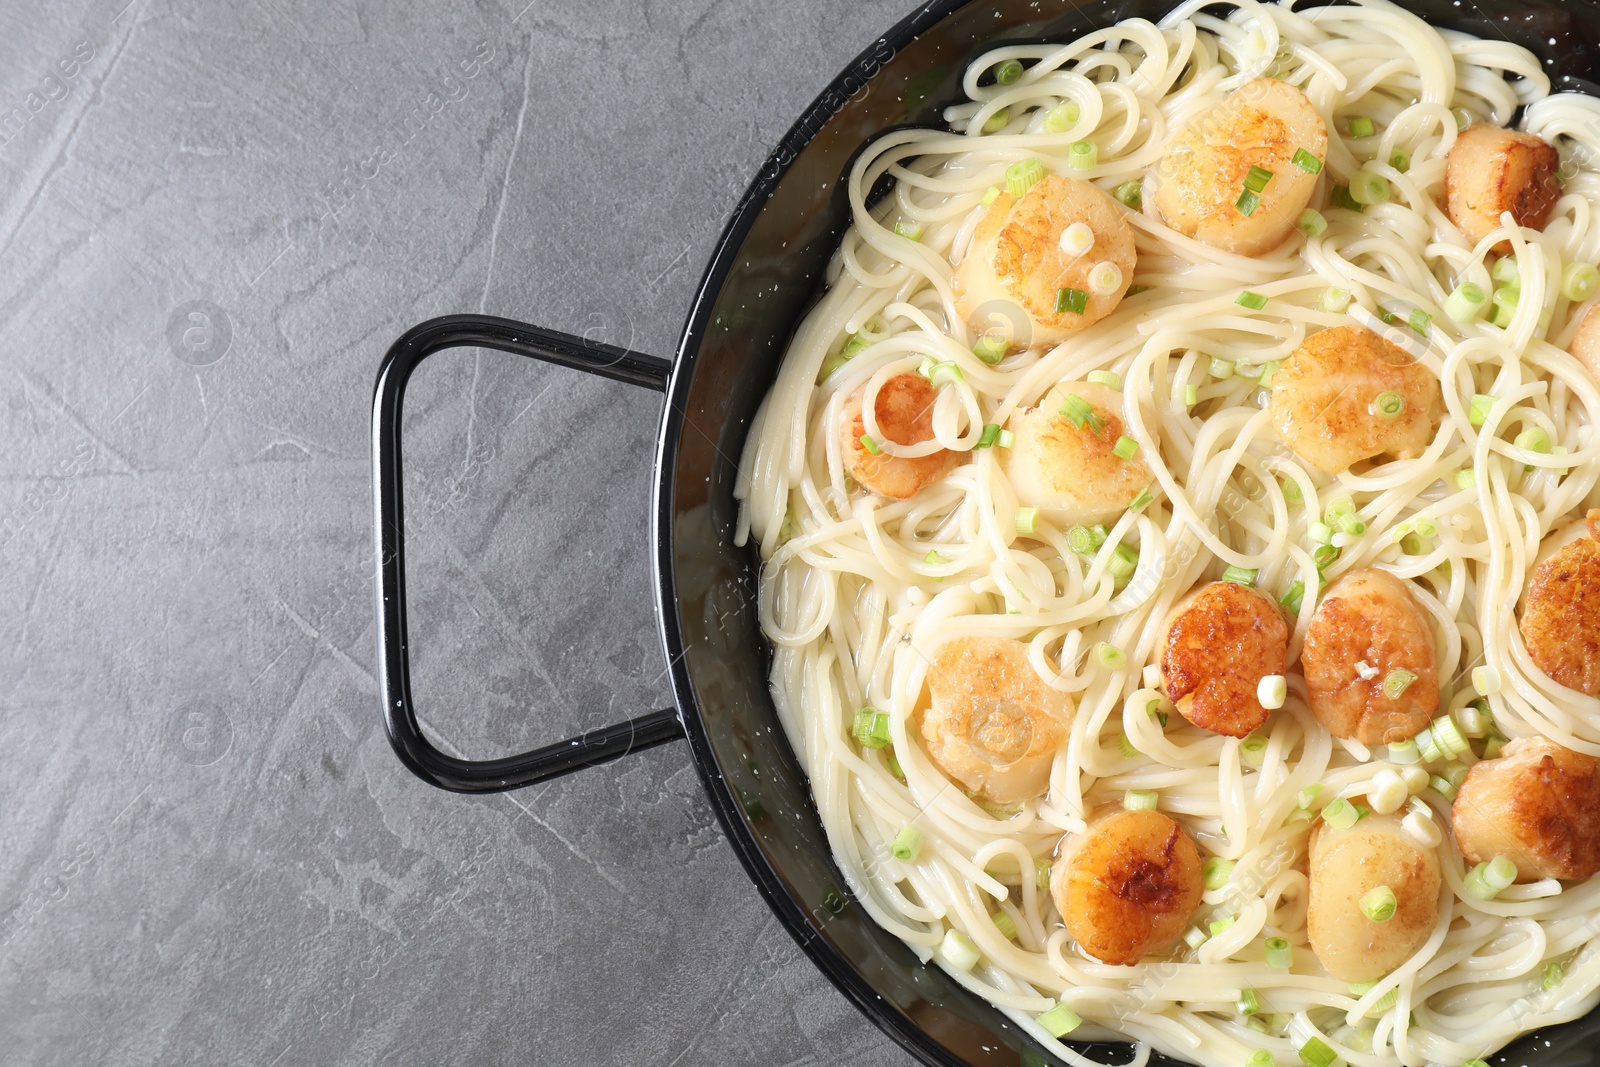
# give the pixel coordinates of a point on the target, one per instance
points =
(1561, 611)
(904, 411)
(1050, 262)
(1221, 641)
(1349, 871)
(1346, 395)
(993, 725)
(1205, 184)
(1493, 170)
(1063, 461)
(1128, 886)
(1538, 805)
(1585, 344)
(1369, 660)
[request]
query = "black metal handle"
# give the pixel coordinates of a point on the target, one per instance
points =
(394, 680)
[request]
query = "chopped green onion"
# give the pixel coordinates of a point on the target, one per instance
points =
(1249, 1002)
(1389, 405)
(1534, 439)
(997, 122)
(1253, 301)
(943, 372)
(1324, 556)
(1023, 175)
(1269, 370)
(1082, 155)
(957, 951)
(1062, 117)
(1362, 126)
(1008, 72)
(1486, 680)
(1140, 800)
(894, 763)
(1125, 746)
(1256, 181)
(1026, 519)
(1107, 378)
(1308, 796)
(1507, 271)
(909, 230)
(870, 445)
(1141, 501)
(1466, 478)
(1259, 1058)
(1443, 786)
(991, 348)
(1319, 533)
(1404, 752)
(1248, 202)
(1218, 925)
(1251, 371)
(1041, 874)
(1073, 300)
(1216, 871)
(1420, 321)
(1191, 395)
(1241, 575)
(1194, 937)
(1294, 599)
(1221, 369)
(907, 844)
(1335, 300)
(1110, 657)
(1077, 239)
(1316, 1053)
(1105, 278)
(1553, 974)
(1080, 413)
(1279, 952)
(1081, 540)
(1126, 448)
(1272, 691)
(1487, 880)
(1396, 683)
(1252, 750)
(1369, 187)
(1313, 223)
(1007, 438)
(934, 558)
(1340, 814)
(990, 195)
(1427, 528)
(1478, 410)
(1579, 282)
(1292, 491)
(833, 363)
(871, 728)
(1505, 307)
(1060, 1020)
(1124, 561)
(1306, 161)
(1465, 303)
(1379, 904)
(1131, 195)
(991, 434)
(1340, 197)
(1400, 160)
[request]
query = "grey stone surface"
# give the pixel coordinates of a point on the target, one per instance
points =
(214, 220)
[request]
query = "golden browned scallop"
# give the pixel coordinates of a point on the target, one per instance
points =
(1561, 612)
(993, 725)
(1585, 346)
(1368, 626)
(1069, 472)
(1538, 805)
(1221, 641)
(1347, 865)
(1199, 183)
(1128, 886)
(904, 410)
(1492, 170)
(1019, 259)
(1325, 397)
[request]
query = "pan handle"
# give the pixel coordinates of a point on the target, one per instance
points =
(394, 682)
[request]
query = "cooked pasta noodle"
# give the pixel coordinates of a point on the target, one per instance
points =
(858, 591)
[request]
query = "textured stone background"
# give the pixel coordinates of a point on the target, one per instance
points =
(214, 219)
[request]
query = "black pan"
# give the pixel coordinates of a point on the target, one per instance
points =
(767, 268)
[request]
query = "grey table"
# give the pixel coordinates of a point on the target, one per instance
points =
(215, 219)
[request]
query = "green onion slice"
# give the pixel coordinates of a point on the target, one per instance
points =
(1379, 904)
(1073, 300)
(1253, 301)
(1126, 448)
(1023, 175)
(1306, 161)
